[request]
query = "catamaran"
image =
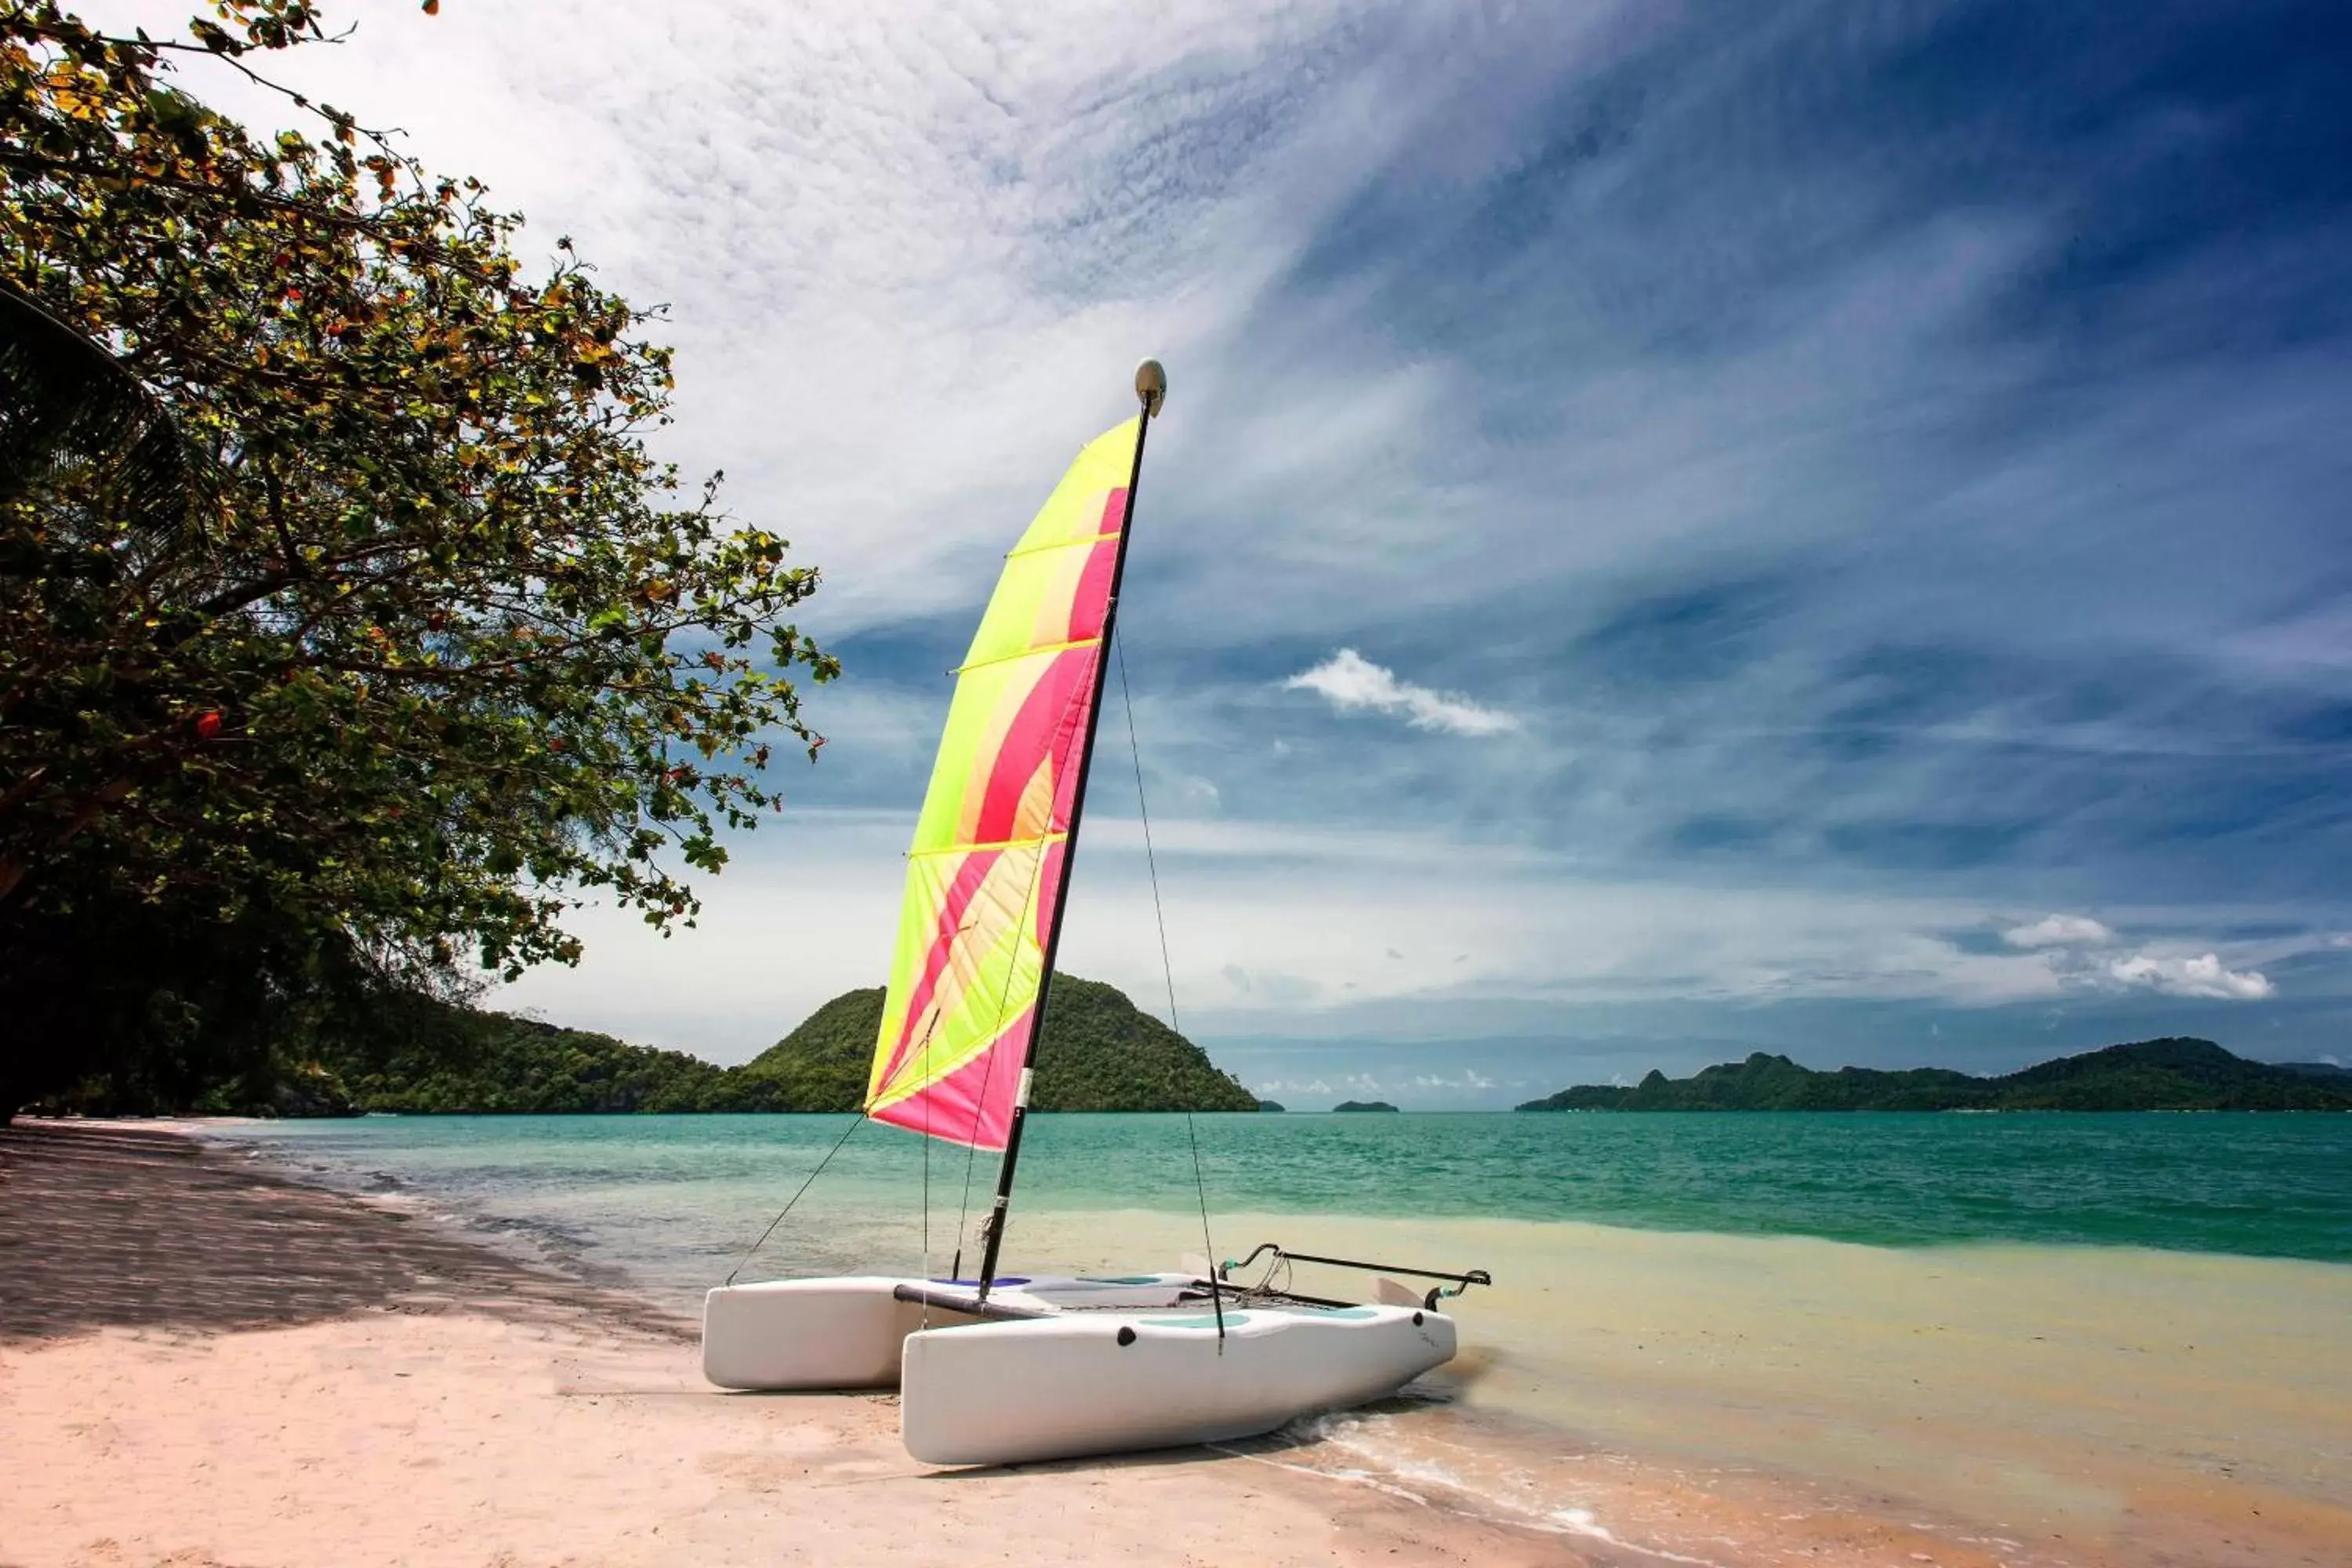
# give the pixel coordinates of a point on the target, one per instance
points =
(1003, 1369)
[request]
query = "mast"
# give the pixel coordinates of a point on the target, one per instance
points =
(1151, 387)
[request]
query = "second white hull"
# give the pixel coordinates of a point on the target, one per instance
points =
(1108, 1368)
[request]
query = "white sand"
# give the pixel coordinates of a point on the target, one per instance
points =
(203, 1364)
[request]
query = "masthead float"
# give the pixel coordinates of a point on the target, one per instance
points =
(997, 1369)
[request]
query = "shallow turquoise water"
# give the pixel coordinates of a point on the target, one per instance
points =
(670, 1201)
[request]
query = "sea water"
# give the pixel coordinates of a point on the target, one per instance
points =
(2040, 1320)
(661, 1200)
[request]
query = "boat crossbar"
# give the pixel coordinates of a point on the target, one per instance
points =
(1461, 1282)
(995, 1311)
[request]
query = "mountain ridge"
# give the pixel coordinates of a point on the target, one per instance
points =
(1100, 1052)
(2173, 1073)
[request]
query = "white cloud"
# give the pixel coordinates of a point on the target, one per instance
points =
(909, 253)
(1350, 681)
(1276, 926)
(2058, 931)
(1468, 1079)
(2203, 976)
(2080, 951)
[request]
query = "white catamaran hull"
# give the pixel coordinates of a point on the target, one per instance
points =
(1108, 1366)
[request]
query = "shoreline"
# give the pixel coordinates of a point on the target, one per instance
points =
(191, 1292)
(204, 1363)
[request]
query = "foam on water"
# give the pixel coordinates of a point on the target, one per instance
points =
(1453, 1465)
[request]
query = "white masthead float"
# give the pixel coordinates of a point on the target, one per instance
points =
(1000, 1369)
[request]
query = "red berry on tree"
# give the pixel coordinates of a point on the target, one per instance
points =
(208, 723)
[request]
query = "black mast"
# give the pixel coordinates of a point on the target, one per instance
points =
(1151, 386)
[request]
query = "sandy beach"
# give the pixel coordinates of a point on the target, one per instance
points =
(205, 1364)
(202, 1363)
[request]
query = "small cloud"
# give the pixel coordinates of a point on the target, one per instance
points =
(2200, 976)
(2058, 931)
(1350, 681)
(1238, 977)
(1395, 954)
(1300, 1086)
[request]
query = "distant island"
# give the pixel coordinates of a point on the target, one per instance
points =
(1363, 1105)
(2171, 1074)
(1100, 1053)
(1269, 1105)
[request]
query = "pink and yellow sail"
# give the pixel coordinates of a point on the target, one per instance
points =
(986, 866)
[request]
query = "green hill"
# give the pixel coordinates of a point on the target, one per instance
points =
(821, 1064)
(1100, 1053)
(2172, 1074)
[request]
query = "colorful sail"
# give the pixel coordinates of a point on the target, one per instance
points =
(986, 865)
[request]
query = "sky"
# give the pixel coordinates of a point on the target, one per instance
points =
(1675, 530)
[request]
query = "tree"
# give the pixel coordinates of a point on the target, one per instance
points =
(436, 639)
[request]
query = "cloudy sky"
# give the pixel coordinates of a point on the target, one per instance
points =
(1676, 529)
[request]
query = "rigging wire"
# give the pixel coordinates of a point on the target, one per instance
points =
(927, 1169)
(856, 1123)
(1167, 970)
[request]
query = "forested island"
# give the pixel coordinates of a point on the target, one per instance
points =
(1100, 1053)
(1363, 1105)
(2170, 1074)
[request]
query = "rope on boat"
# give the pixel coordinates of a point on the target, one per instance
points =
(1167, 970)
(857, 1122)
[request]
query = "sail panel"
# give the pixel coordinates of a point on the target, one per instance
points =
(984, 869)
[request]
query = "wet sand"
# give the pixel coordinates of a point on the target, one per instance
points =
(203, 1363)
(2038, 1403)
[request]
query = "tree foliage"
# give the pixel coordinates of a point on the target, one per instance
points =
(448, 1059)
(436, 639)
